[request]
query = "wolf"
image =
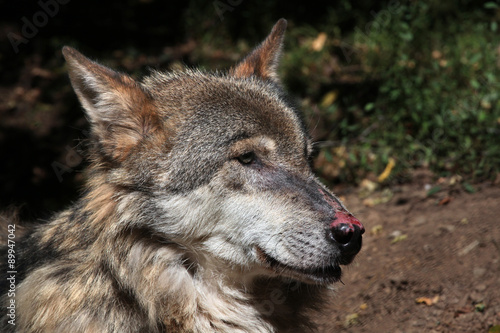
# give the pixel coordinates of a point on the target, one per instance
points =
(200, 213)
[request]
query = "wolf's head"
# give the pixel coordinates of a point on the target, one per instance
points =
(217, 164)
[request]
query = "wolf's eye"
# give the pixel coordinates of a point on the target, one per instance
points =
(247, 158)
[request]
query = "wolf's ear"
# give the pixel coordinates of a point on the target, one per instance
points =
(263, 60)
(119, 110)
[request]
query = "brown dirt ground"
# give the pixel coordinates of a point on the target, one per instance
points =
(443, 249)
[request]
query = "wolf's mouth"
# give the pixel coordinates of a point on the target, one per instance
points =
(320, 275)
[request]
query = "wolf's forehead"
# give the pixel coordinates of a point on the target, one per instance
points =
(228, 105)
(254, 109)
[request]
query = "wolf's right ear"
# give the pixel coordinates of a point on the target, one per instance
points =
(119, 110)
(263, 61)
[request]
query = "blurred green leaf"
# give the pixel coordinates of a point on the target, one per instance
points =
(468, 187)
(369, 106)
(433, 190)
(491, 5)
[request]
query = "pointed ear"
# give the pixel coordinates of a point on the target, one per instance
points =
(119, 110)
(263, 60)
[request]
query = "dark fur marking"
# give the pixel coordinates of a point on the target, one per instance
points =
(123, 295)
(33, 256)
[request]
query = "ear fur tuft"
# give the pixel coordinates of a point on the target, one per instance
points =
(263, 61)
(119, 110)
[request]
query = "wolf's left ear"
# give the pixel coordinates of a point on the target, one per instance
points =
(263, 60)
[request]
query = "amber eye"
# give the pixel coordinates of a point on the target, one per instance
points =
(247, 158)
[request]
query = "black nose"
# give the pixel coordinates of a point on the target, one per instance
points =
(343, 233)
(346, 231)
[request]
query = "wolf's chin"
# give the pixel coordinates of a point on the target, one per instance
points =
(316, 275)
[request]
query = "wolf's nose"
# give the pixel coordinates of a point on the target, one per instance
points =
(343, 233)
(346, 231)
(345, 226)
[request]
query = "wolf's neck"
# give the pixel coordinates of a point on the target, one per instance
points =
(171, 285)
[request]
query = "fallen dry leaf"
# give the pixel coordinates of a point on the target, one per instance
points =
(468, 248)
(351, 319)
(445, 201)
(319, 42)
(367, 187)
(463, 310)
(329, 98)
(387, 171)
(399, 238)
(427, 300)
(376, 230)
(379, 198)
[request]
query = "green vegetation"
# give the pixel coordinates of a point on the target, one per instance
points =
(413, 82)
(437, 100)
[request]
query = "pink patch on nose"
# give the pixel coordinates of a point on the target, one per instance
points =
(348, 219)
(341, 216)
